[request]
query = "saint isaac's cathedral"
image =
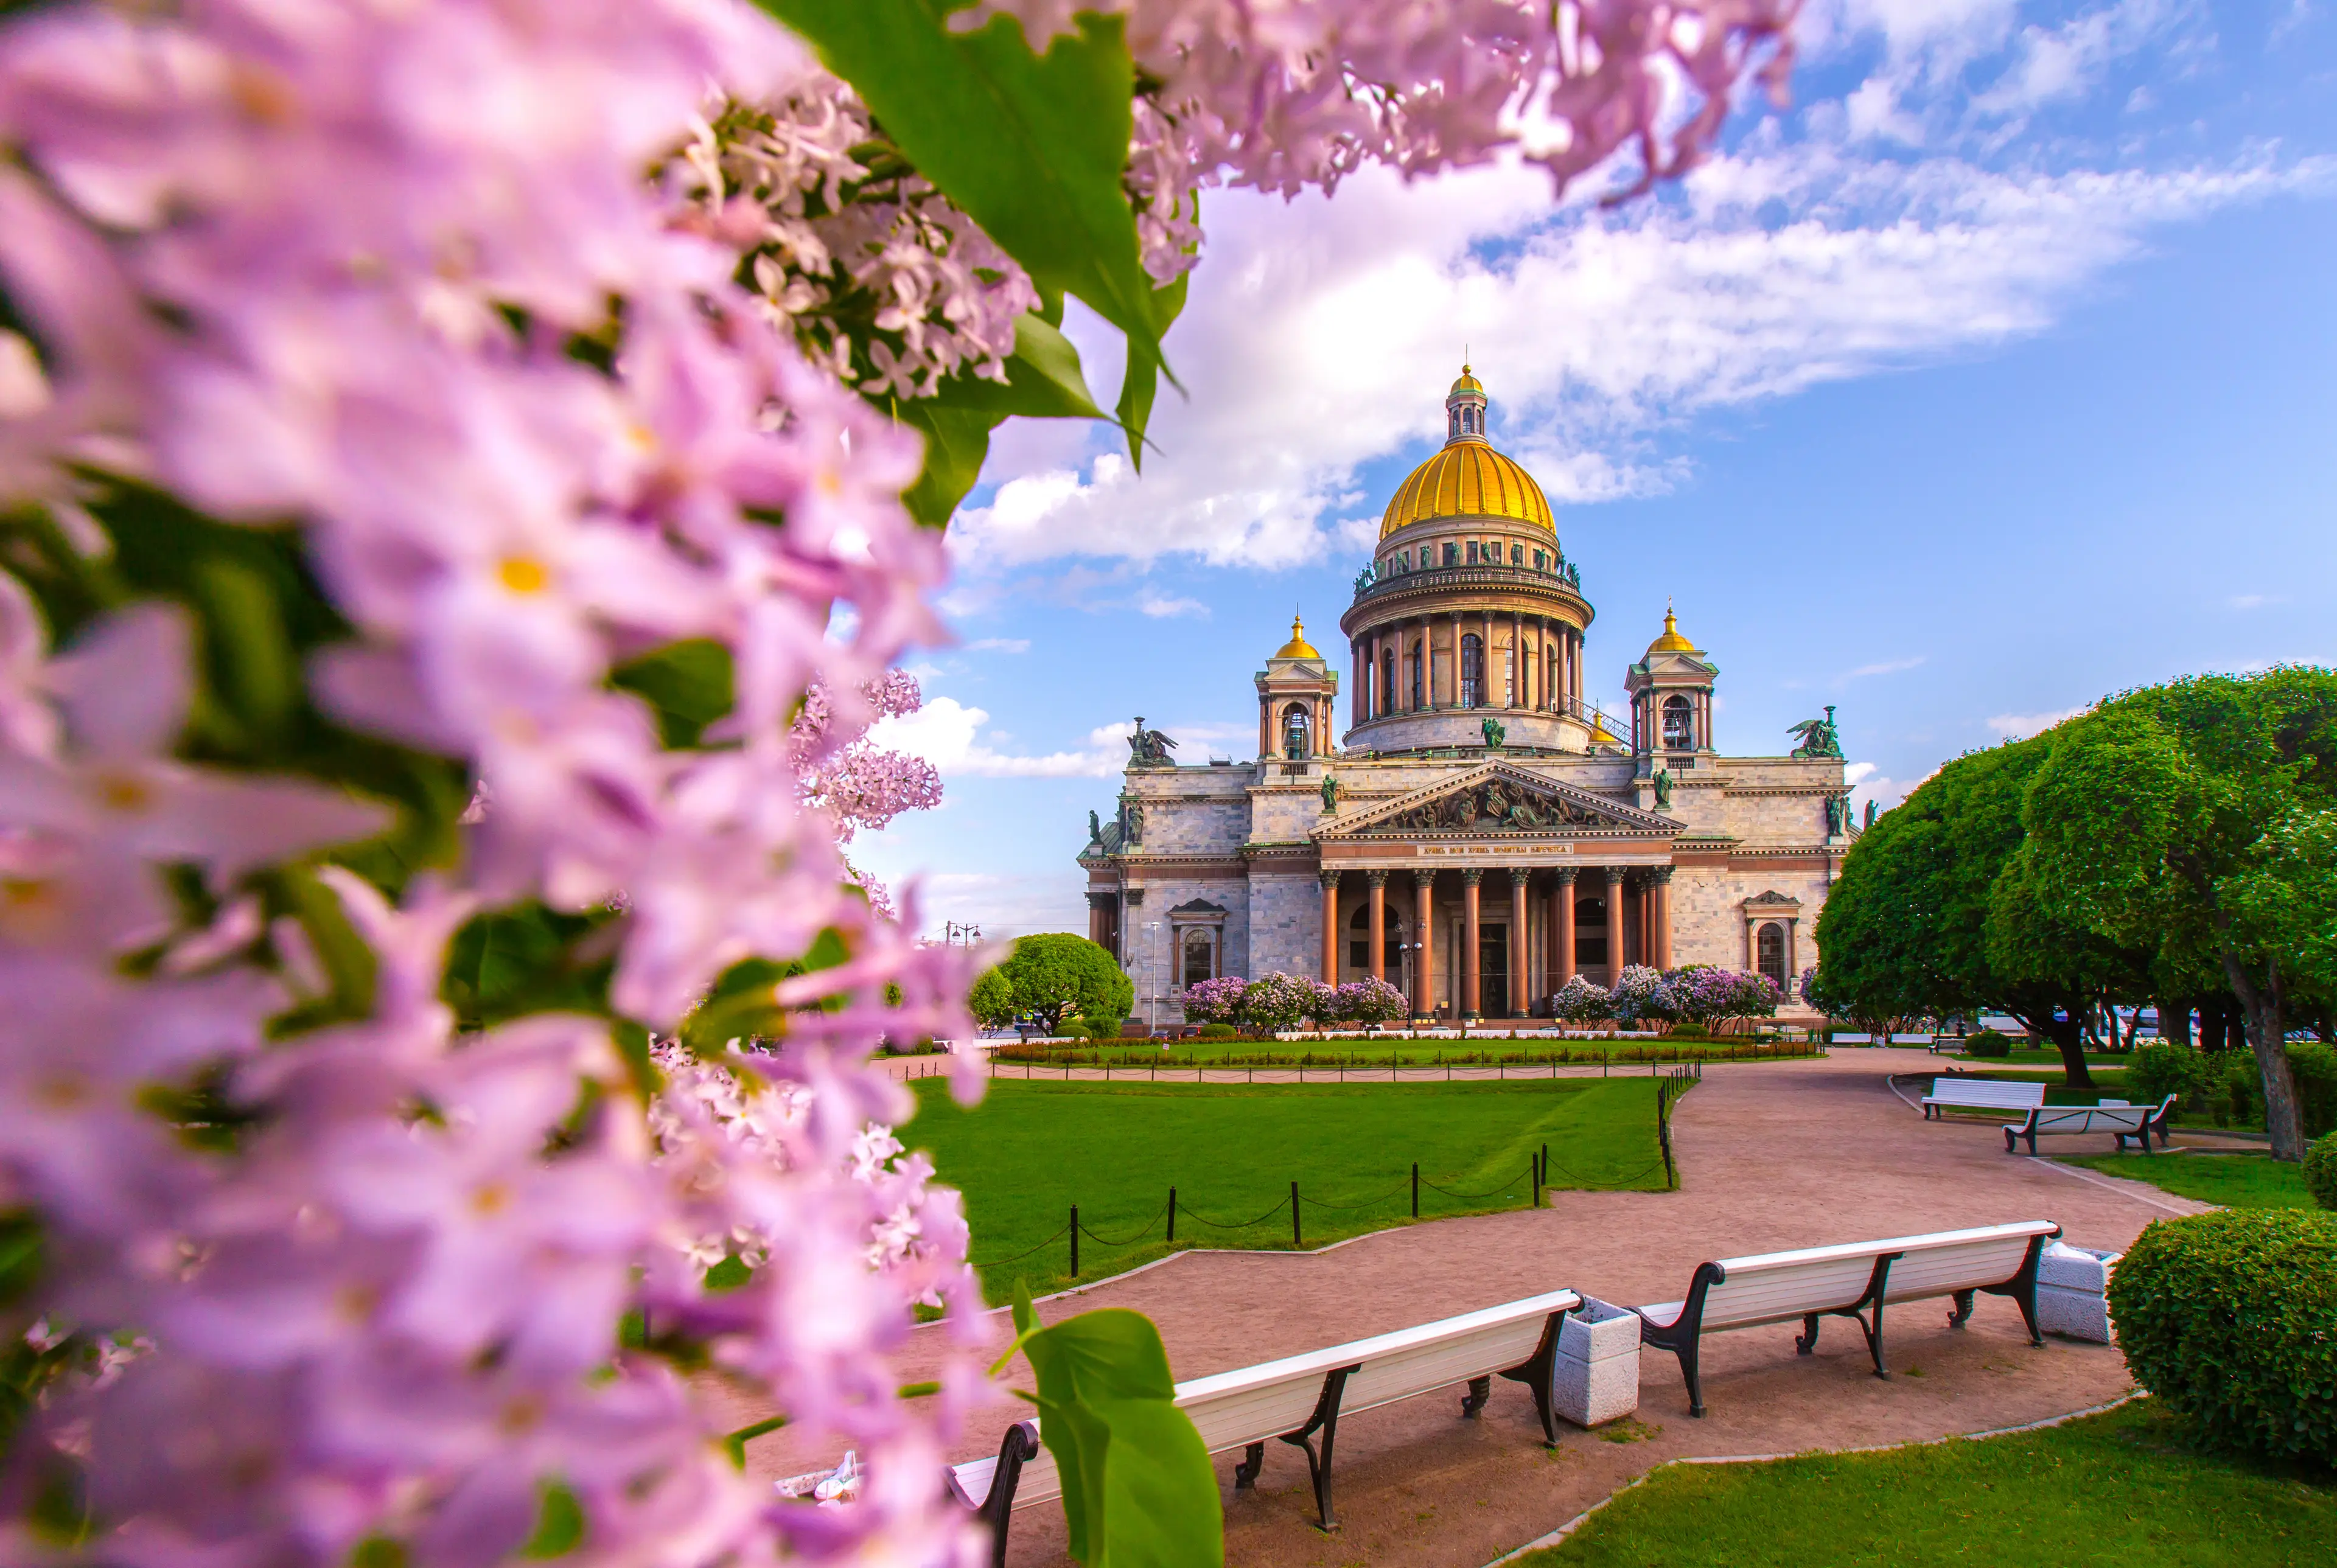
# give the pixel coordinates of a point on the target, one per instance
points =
(1443, 809)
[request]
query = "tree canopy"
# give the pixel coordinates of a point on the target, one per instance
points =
(1055, 976)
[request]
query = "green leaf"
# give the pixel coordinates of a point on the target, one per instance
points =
(1140, 382)
(688, 685)
(525, 958)
(1031, 147)
(956, 442)
(1044, 378)
(559, 1524)
(1138, 1488)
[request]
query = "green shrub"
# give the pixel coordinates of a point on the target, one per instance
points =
(1218, 1032)
(2243, 1088)
(2164, 1068)
(2314, 1067)
(1689, 1032)
(1071, 1029)
(2320, 1169)
(1989, 1043)
(2227, 1318)
(1100, 1028)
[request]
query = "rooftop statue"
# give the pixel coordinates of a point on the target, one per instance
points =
(1817, 736)
(1331, 792)
(1494, 733)
(1873, 809)
(1149, 747)
(1131, 819)
(1095, 829)
(1662, 789)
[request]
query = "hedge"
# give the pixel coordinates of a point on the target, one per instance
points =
(1987, 1043)
(2231, 1318)
(2320, 1169)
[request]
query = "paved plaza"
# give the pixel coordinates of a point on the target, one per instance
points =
(1773, 1156)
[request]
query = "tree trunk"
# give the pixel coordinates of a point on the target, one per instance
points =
(2174, 1021)
(2267, 1038)
(2068, 1034)
(2213, 1015)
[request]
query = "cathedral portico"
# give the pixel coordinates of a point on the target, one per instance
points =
(1480, 833)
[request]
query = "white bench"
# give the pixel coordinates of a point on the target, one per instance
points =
(1852, 1282)
(1981, 1094)
(1294, 1399)
(2118, 1119)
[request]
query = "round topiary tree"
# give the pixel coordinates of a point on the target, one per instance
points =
(2227, 1317)
(1056, 975)
(2320, 1169)
(991, 1000)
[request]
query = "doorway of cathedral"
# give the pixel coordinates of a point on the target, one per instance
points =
(1494, 970)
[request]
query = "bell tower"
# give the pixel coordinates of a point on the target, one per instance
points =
(1464, 409)
(1671, 701)
(1296, 692)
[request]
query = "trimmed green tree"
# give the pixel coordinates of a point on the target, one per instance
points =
(991, 1000)
(2187, 818)
(1056, 975)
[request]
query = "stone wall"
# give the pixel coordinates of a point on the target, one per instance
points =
(1285, 924)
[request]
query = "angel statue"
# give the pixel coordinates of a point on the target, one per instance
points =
(1494, 733)
(1817, 736)
(1331, 787)
(1149, 747)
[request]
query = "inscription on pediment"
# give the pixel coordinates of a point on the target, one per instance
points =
(1493, 806)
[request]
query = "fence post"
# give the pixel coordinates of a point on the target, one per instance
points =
(1075, 1240)
(1172, 1213)
(1415, 1189)
(1534, 1169)
(1295, 1239)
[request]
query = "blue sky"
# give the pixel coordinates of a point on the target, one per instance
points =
(1998, 374)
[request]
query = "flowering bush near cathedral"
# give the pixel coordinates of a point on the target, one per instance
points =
(461, 468)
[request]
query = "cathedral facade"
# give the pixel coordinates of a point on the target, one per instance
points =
(1444, 810)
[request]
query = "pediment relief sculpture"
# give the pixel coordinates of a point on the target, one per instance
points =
(1495, 805)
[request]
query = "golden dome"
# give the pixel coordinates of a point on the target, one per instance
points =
(1298, 647)
(1467, 479)
(1671, 641)
(1467, 383)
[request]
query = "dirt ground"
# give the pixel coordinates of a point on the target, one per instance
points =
(1773, 1156)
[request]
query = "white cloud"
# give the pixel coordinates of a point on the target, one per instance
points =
(2252, 600)
(1160, 605)
(947, 734)
(2057, 63)
(1321, 334)
(2021, 725)
(1856, 772)
(999, 645)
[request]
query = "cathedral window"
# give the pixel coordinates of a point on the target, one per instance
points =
(1201, 958)
(1770, 945)
(1418, 700)
(1472, 670)
(1387, 682)
(1472, 553)
(1452, 555)
(1293, 731)
(1679, 725)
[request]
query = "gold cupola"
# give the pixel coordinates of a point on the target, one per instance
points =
(1671, 641)
(1298, 647)
(1468, 478)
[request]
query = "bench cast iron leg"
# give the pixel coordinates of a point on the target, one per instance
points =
(1318, 1465)
(1808, 1340)
(1960, 1313)
(1253, 1460)
(1537, 1373)
(1480, 1390)
(2022, 1287)
(1019, 1446)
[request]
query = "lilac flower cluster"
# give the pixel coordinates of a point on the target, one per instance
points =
(1290, 94)
(1216, 1001)
(365, 272)
(1638, 995)
(1583, 1000)
(1368, 1002)
(1709, 995)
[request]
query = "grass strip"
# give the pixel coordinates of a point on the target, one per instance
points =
(2234, 1181)
(2129, 1485)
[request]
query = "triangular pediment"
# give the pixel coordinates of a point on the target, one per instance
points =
(1496, 799)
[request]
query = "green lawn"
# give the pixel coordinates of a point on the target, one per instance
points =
(1634, 1055)
(1030, 1150)
(2234, 1180)
(2124, 1487)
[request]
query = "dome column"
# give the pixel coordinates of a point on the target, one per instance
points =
(1472, 949)
(1561, 920)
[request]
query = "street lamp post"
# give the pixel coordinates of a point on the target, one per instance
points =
(1152, 996)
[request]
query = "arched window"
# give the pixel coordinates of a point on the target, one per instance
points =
(1550, 684)
(1386, 693)
(1201, 956)
(1509, 676)
(1769, 944)
(1680, 723)
(1293, 731)
(1472, 670)
(1417, 700)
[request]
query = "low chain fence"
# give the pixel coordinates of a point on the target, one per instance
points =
(1540, 1175)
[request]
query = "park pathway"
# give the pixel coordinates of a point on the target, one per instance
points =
(1773, 1156)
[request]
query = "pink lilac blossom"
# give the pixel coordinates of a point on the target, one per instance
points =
(1283, 95)
(324, 262)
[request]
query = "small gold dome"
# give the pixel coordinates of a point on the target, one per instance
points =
(1671, 641)
(1467, 479)
(1468, 384)
(1298, 647)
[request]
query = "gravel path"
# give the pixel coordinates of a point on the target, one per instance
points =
(1773, 1155)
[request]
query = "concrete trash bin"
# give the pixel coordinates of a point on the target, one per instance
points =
(2072, 1287)
(1597, 1375)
